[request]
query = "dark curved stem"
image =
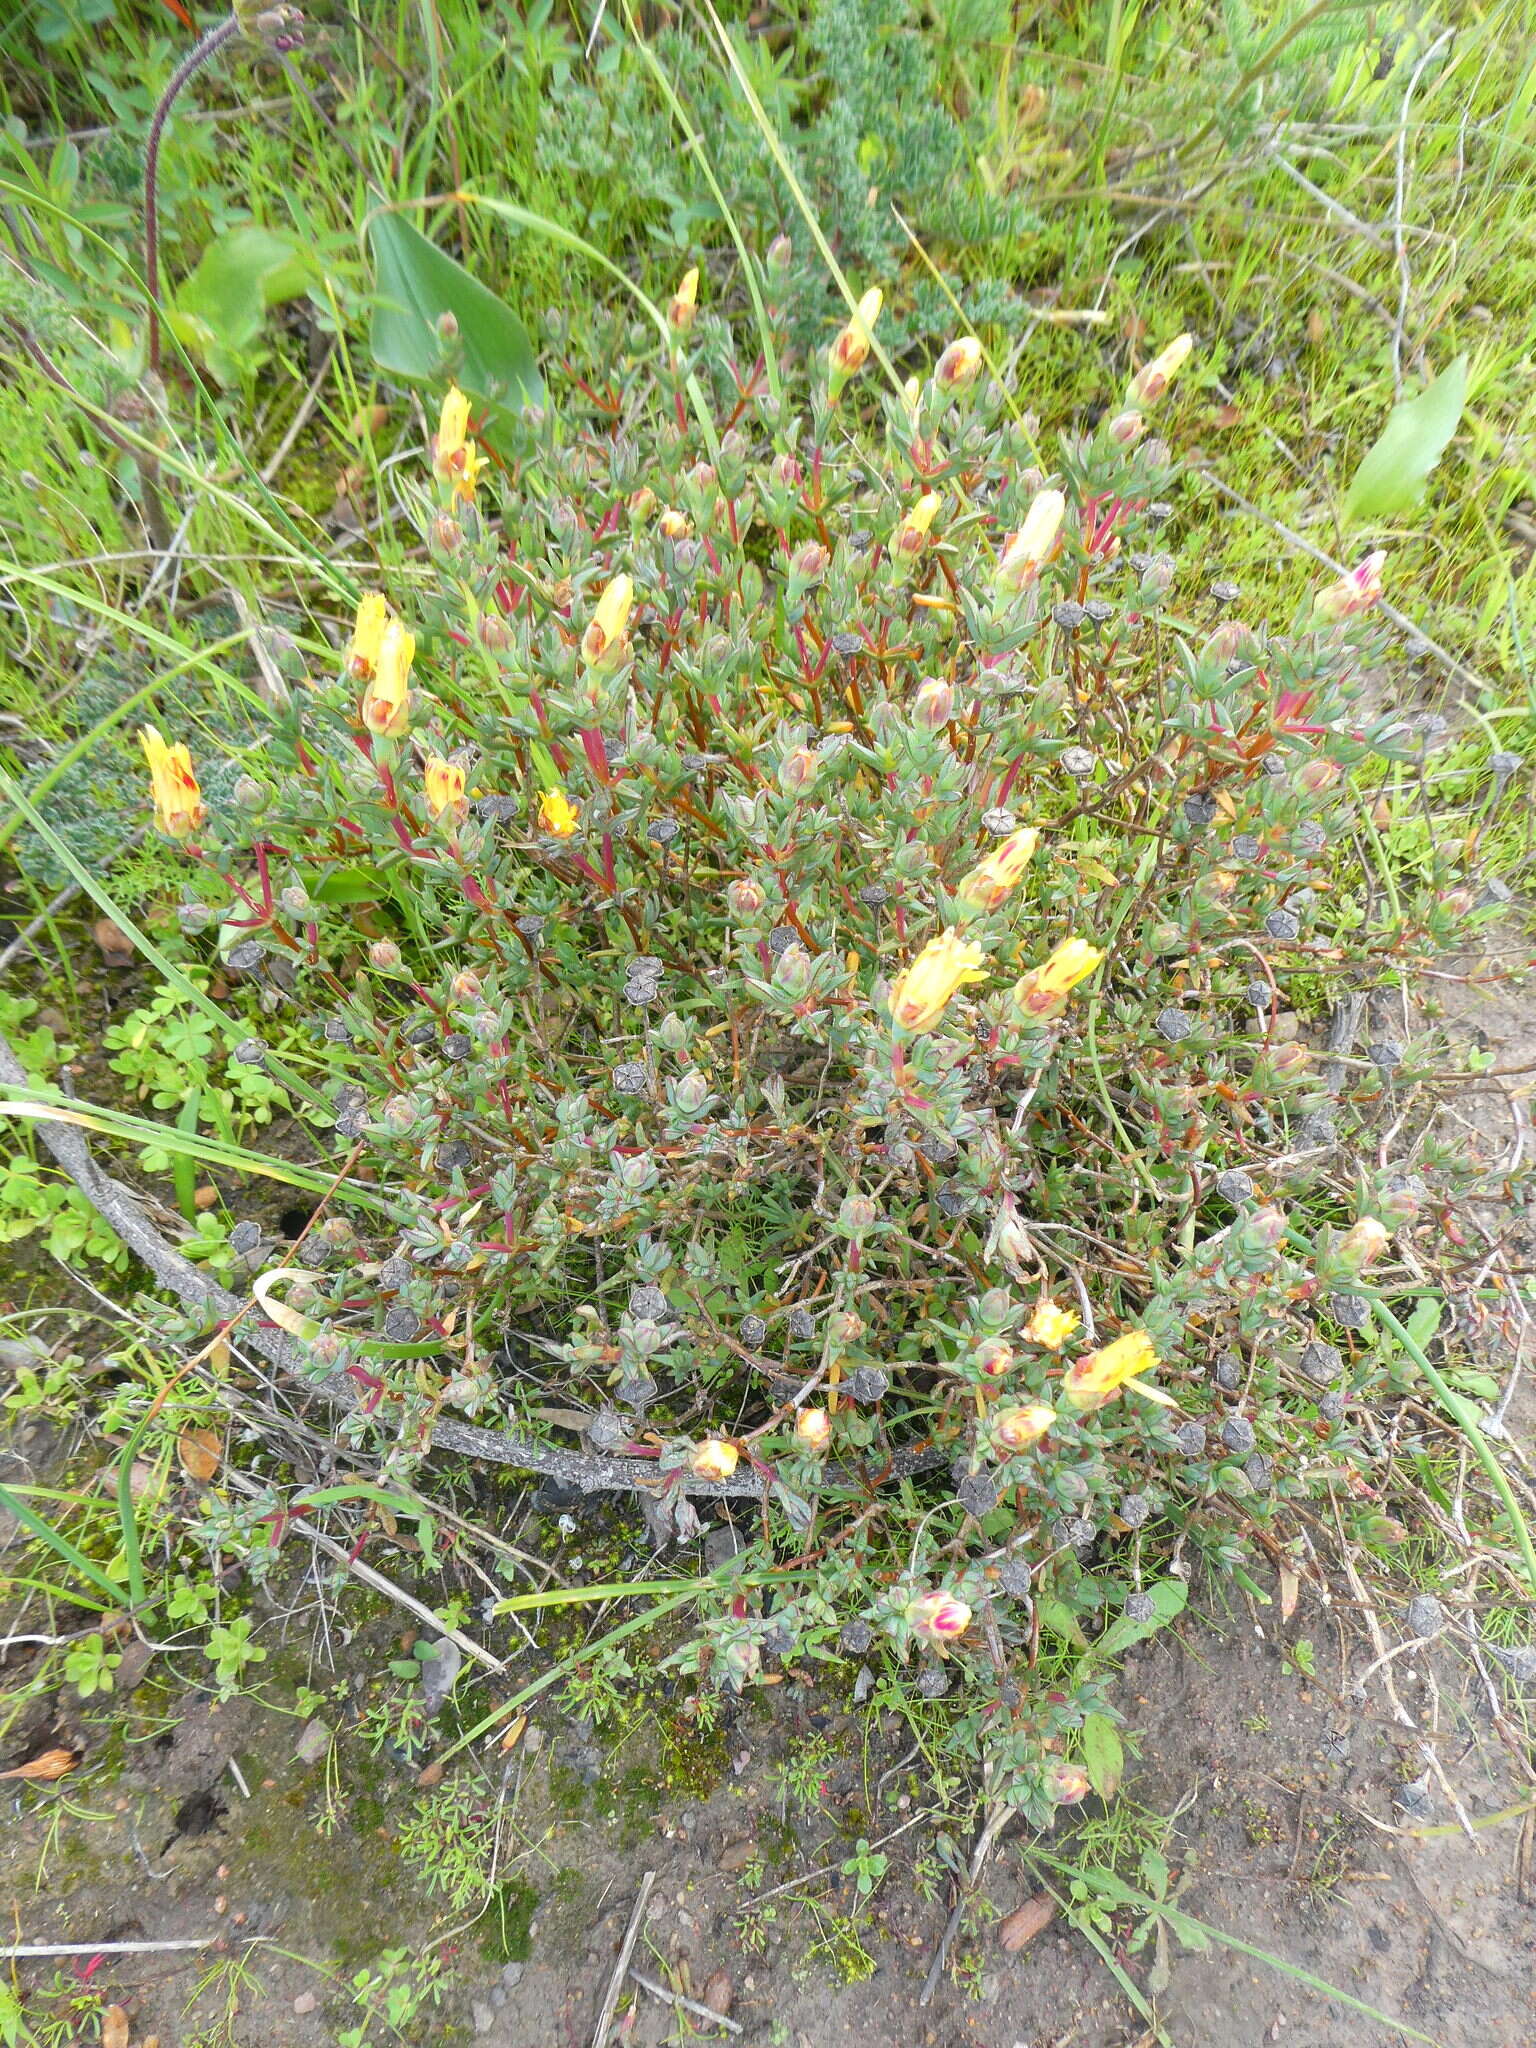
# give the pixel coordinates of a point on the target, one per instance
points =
(193, 62)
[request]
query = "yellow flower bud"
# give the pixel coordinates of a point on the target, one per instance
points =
(922, 989)
(1153, 379)
(685, 303)
(443, 782)
(911, 536)
(605, 633)
(1044, 990)
(850, 351)
(179, 807)
(1017, 1428)
(994, 879)
(715, 1458)
(674, 525)
(386, 700)
(939, 1618)
(1036, 541)
(959, 365)
(813, 1428)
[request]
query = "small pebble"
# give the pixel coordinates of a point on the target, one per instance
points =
(1425, 1617)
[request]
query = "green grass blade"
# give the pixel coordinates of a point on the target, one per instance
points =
(56, 1541)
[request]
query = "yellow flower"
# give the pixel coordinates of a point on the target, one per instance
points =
(674, 525)
(1035, 542)
(1153, 379)
(939, 1618)
(179, 806)
(850, 351)
(1090, 1381)
(373, 615)
(685, 303)
(1050, 1326)
(996, 877)
(444, 785)
(455, 457)
(911, 536)
(714, 1459)
(605, 632)
(920, 992)
(813, 1428)
(386, 705)
(1044, 990)
(558, 814)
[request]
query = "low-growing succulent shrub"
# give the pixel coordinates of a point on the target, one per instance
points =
(794, 910)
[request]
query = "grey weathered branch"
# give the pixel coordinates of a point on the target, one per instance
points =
(123, 1212)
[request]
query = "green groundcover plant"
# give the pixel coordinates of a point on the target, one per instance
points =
(798, 905)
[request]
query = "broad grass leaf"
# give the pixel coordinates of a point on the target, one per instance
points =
(1416, 435)
(415, 284)
(1103, 1754)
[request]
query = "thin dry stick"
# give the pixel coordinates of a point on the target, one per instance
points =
(369, 1577)
(24, 1950)
(621, 1965)
(993, 1826)
(705, 2012)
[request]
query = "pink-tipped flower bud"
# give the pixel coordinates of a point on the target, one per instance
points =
(1067, 1784)
(934, 705)
(786, 470)
(1316, 776)
(690, 1092)
(781, 251)
(1126, 429)
(1266, 1226)
(1230, 639)
(445, 536)
(798, 768)
(845, 1326)
(792, 971)
(1353, 593)
(384, 954)
(809, 563)
(939, 1618)
(994, 1357)
(813, 1429)
(466, 985)
(1362, 1244)
(746, 898)
(495, 634)
(856, 1214)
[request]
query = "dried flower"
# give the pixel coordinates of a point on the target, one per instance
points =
(605, 631)
(443, 782)
(716, 1458)
(994, 879)
(921, 991)
(1028, 550)
(1043, 991)
(1049, 1325)
(373, 615)
(1068, 1783)
(1353, 593)
(1153, 379)
(939, 1618)
(558, 814)
(1091, 1380)
(179, 807)
(386, 705)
